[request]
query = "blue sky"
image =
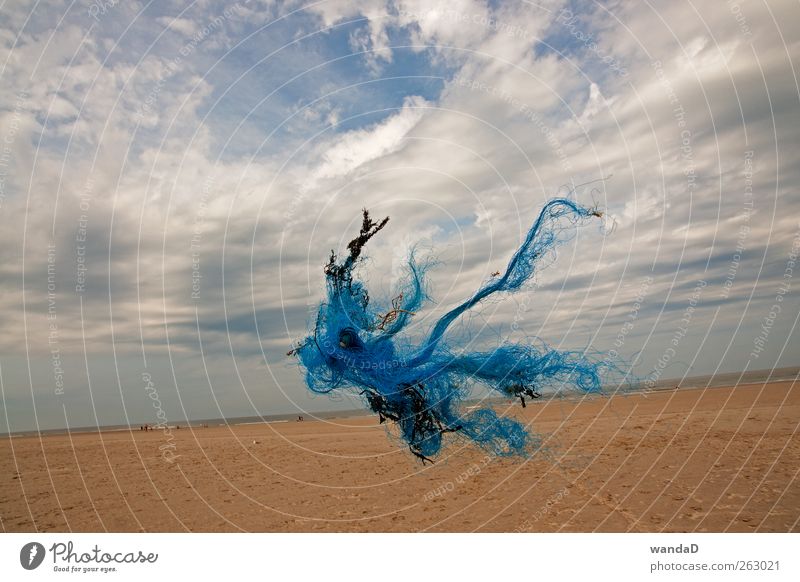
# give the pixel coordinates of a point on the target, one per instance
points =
(230, 147)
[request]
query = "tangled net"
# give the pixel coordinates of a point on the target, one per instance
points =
(355, 346)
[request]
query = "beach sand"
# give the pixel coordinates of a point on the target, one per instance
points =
(720, 459)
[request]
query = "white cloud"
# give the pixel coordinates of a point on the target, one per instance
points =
(356, 148)
(183, 26)
(465, 171)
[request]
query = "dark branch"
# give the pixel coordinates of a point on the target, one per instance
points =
(342, 274)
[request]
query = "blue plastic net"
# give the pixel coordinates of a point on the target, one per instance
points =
(420, 386)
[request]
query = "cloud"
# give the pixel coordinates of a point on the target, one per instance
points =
(203, 196)
(184, 26)
(356, 148)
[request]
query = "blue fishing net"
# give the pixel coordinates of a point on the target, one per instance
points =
(420, 386)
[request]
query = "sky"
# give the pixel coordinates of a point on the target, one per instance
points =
(174, 175)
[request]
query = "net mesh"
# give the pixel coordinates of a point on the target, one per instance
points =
(421, 386)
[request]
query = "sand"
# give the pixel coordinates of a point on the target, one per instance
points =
(721, 459)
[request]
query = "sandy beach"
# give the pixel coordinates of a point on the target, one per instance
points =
(719, 459)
